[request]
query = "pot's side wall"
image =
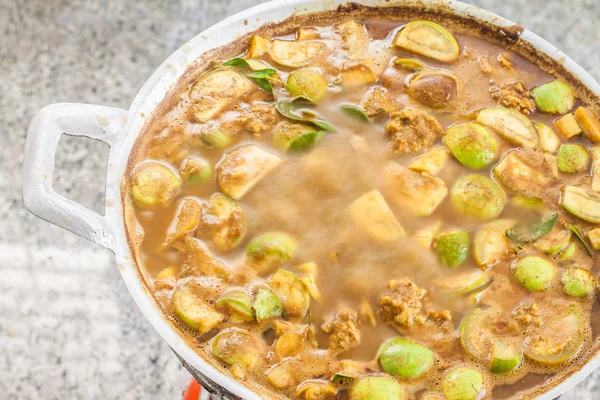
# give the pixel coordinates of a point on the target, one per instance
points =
(188, 60)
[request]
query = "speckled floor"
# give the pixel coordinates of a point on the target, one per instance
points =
(68, 328)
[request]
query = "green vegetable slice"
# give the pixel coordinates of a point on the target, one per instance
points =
(554, 97)
(560, 339)
(345, 378)
(511, 125)
(578, 282)
(295, 137)
(475, 336)
(471, 144)
(355, 112)
(266, 305)
(453, 248)
(235, 346)
(194, 311)
(534, 273)
(377, 388)
(464, 282)
(154, 185)
(555, 241)
(582, 203)
(288, 108)
(428, 39)
(270, 250)
(307, 83)
(193, 169)
(237, 304)
(409, 64)
(549, 141)
(477, 196)
(491, 243)
(572, 158)
(462, 384)
(405, 358)
(581, 239)
(504, 357)
(524, 233)
(290, 290)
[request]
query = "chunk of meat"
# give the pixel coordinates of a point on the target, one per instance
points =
(258, 118)
(344, 330)
(377, 101)
(413, 131)
(515, 96)
(528, 315)
(404, 305)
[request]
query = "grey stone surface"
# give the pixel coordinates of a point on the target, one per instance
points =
(68, 328)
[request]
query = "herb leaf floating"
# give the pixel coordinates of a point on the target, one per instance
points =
(355, 112)
(580, 237)
(528, 233)
(287, 108)
(260, 77)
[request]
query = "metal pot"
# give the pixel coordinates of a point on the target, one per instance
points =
(120, 128)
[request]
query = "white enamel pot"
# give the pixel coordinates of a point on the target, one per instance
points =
(120, 128)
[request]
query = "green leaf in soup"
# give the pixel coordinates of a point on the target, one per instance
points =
(581, 238)
(286, 108)
(525, 233)
(261, 73)
(236, 62)
(264, 84)
(355, 112)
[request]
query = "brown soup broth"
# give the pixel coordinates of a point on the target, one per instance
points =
(309, 195)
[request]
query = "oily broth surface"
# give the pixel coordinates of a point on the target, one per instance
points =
(308, 196)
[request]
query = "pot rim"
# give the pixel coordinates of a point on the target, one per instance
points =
(168, 74)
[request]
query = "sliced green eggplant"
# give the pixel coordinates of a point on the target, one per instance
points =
(561, 338)
(224, 220)
(237, 304)
(475, 336)
(528, 202)
(462, 282)
(372, 215)
(471, 144)
(270, 250)
(154, 185)
(578, 282)
(290, 290)
(491, 244)
(409, 64)
(572, 158)
(313, 389)
(186, 220)
(428, 39)
(290, 136)
(405, 358)
(504, 357)
(555, 241)
(579, 236)
(511, 125)
(307, 83)
(266, 305)
(520, 177)
(419, 193)
(582, 203)
(194, 311)
(529, 233)
(462, 384)
(534, 273)
(452, 247)
(377, 388)
(549, 141)
(567, 252)
(477, 196)
(235, 346)
(554, 97)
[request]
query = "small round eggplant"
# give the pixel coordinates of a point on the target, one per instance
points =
(404, 358)
(462, 384)
(154, 184)
(534, 273)
(307, 83)
(477, 196)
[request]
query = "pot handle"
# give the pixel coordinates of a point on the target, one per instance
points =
(48, 125)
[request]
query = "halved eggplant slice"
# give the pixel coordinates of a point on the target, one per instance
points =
(377, 388)
(511, 125)
(405, 358)
(582, 203)
(463, 384)
(491, 243)
(477, 196)
(471, 144)
(534, 273)
(504, 357)
(578, 282)
(452, 247)
(428, 39)
(554, 97)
